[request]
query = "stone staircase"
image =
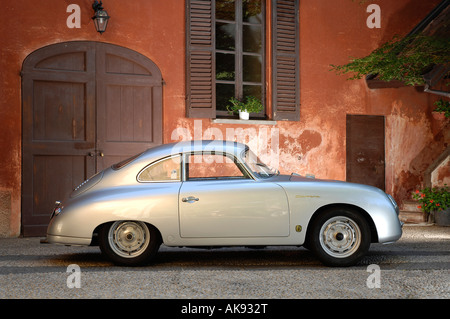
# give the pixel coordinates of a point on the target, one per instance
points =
(411, 214)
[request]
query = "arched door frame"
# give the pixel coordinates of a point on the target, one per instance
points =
(71, 92)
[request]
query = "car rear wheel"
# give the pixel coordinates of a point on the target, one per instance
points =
(339, 237)
(129, 243)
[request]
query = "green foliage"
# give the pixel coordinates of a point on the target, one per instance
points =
(404, 59)
(442, 106)
(433, 199)
(225, 75)
(251, 105)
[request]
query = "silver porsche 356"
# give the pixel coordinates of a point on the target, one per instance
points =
(218, 193)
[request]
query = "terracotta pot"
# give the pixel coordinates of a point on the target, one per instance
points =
(440, 116)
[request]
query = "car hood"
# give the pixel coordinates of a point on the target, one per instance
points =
(296, 178)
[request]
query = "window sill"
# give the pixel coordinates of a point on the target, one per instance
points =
(245, 122)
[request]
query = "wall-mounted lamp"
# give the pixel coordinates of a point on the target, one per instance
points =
(100, 17)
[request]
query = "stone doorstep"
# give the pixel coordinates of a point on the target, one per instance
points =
(411, 213)
(411, 206)
(409, 217)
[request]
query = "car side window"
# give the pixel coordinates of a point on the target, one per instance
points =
(213, 167)
(165, 170)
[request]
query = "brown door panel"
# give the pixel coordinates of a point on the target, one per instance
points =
(366, 150)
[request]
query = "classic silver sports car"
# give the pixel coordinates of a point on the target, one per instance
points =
(218, 193)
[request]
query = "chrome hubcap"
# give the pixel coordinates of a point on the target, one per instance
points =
(128, 239)
(340, 237)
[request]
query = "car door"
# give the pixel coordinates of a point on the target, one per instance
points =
(218, 199)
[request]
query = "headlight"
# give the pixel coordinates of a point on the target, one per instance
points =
(397, 210)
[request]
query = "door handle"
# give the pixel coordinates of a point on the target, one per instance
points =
(97, 153)
(189, 199)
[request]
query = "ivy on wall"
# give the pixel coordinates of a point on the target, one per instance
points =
(404, 59)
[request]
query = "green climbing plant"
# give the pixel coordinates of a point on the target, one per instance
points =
(443, 107)
(404, 59)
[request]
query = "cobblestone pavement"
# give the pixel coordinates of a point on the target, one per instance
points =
(417, 266)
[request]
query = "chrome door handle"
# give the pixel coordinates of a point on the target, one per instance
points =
(189, 199)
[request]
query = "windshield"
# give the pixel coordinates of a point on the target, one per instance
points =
(257, 167)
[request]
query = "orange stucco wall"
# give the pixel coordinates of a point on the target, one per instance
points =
(330, 32)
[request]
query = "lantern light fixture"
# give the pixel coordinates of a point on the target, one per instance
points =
(100, 17)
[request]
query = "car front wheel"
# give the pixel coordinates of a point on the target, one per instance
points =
(339, 237)
(129, 243)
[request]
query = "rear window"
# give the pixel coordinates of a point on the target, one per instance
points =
(124, 163)
(165, 170)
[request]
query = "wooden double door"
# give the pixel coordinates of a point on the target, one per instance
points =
(86, 105)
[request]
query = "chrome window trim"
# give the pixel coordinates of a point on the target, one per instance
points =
(236, 160)
(159, 161)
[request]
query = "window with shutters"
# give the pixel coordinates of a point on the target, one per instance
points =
(226, 56)
(239, 51)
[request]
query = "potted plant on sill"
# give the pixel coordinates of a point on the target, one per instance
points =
(251, 105)
(435, 202)
(442, 110)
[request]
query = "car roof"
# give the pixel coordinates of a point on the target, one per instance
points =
(165, 150)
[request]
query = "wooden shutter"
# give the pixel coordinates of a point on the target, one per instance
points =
(200, 65)
(285, 82)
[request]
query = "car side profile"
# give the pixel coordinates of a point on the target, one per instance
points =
(218, 193)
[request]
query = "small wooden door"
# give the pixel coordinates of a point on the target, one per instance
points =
(85, 106)
(365, 150)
